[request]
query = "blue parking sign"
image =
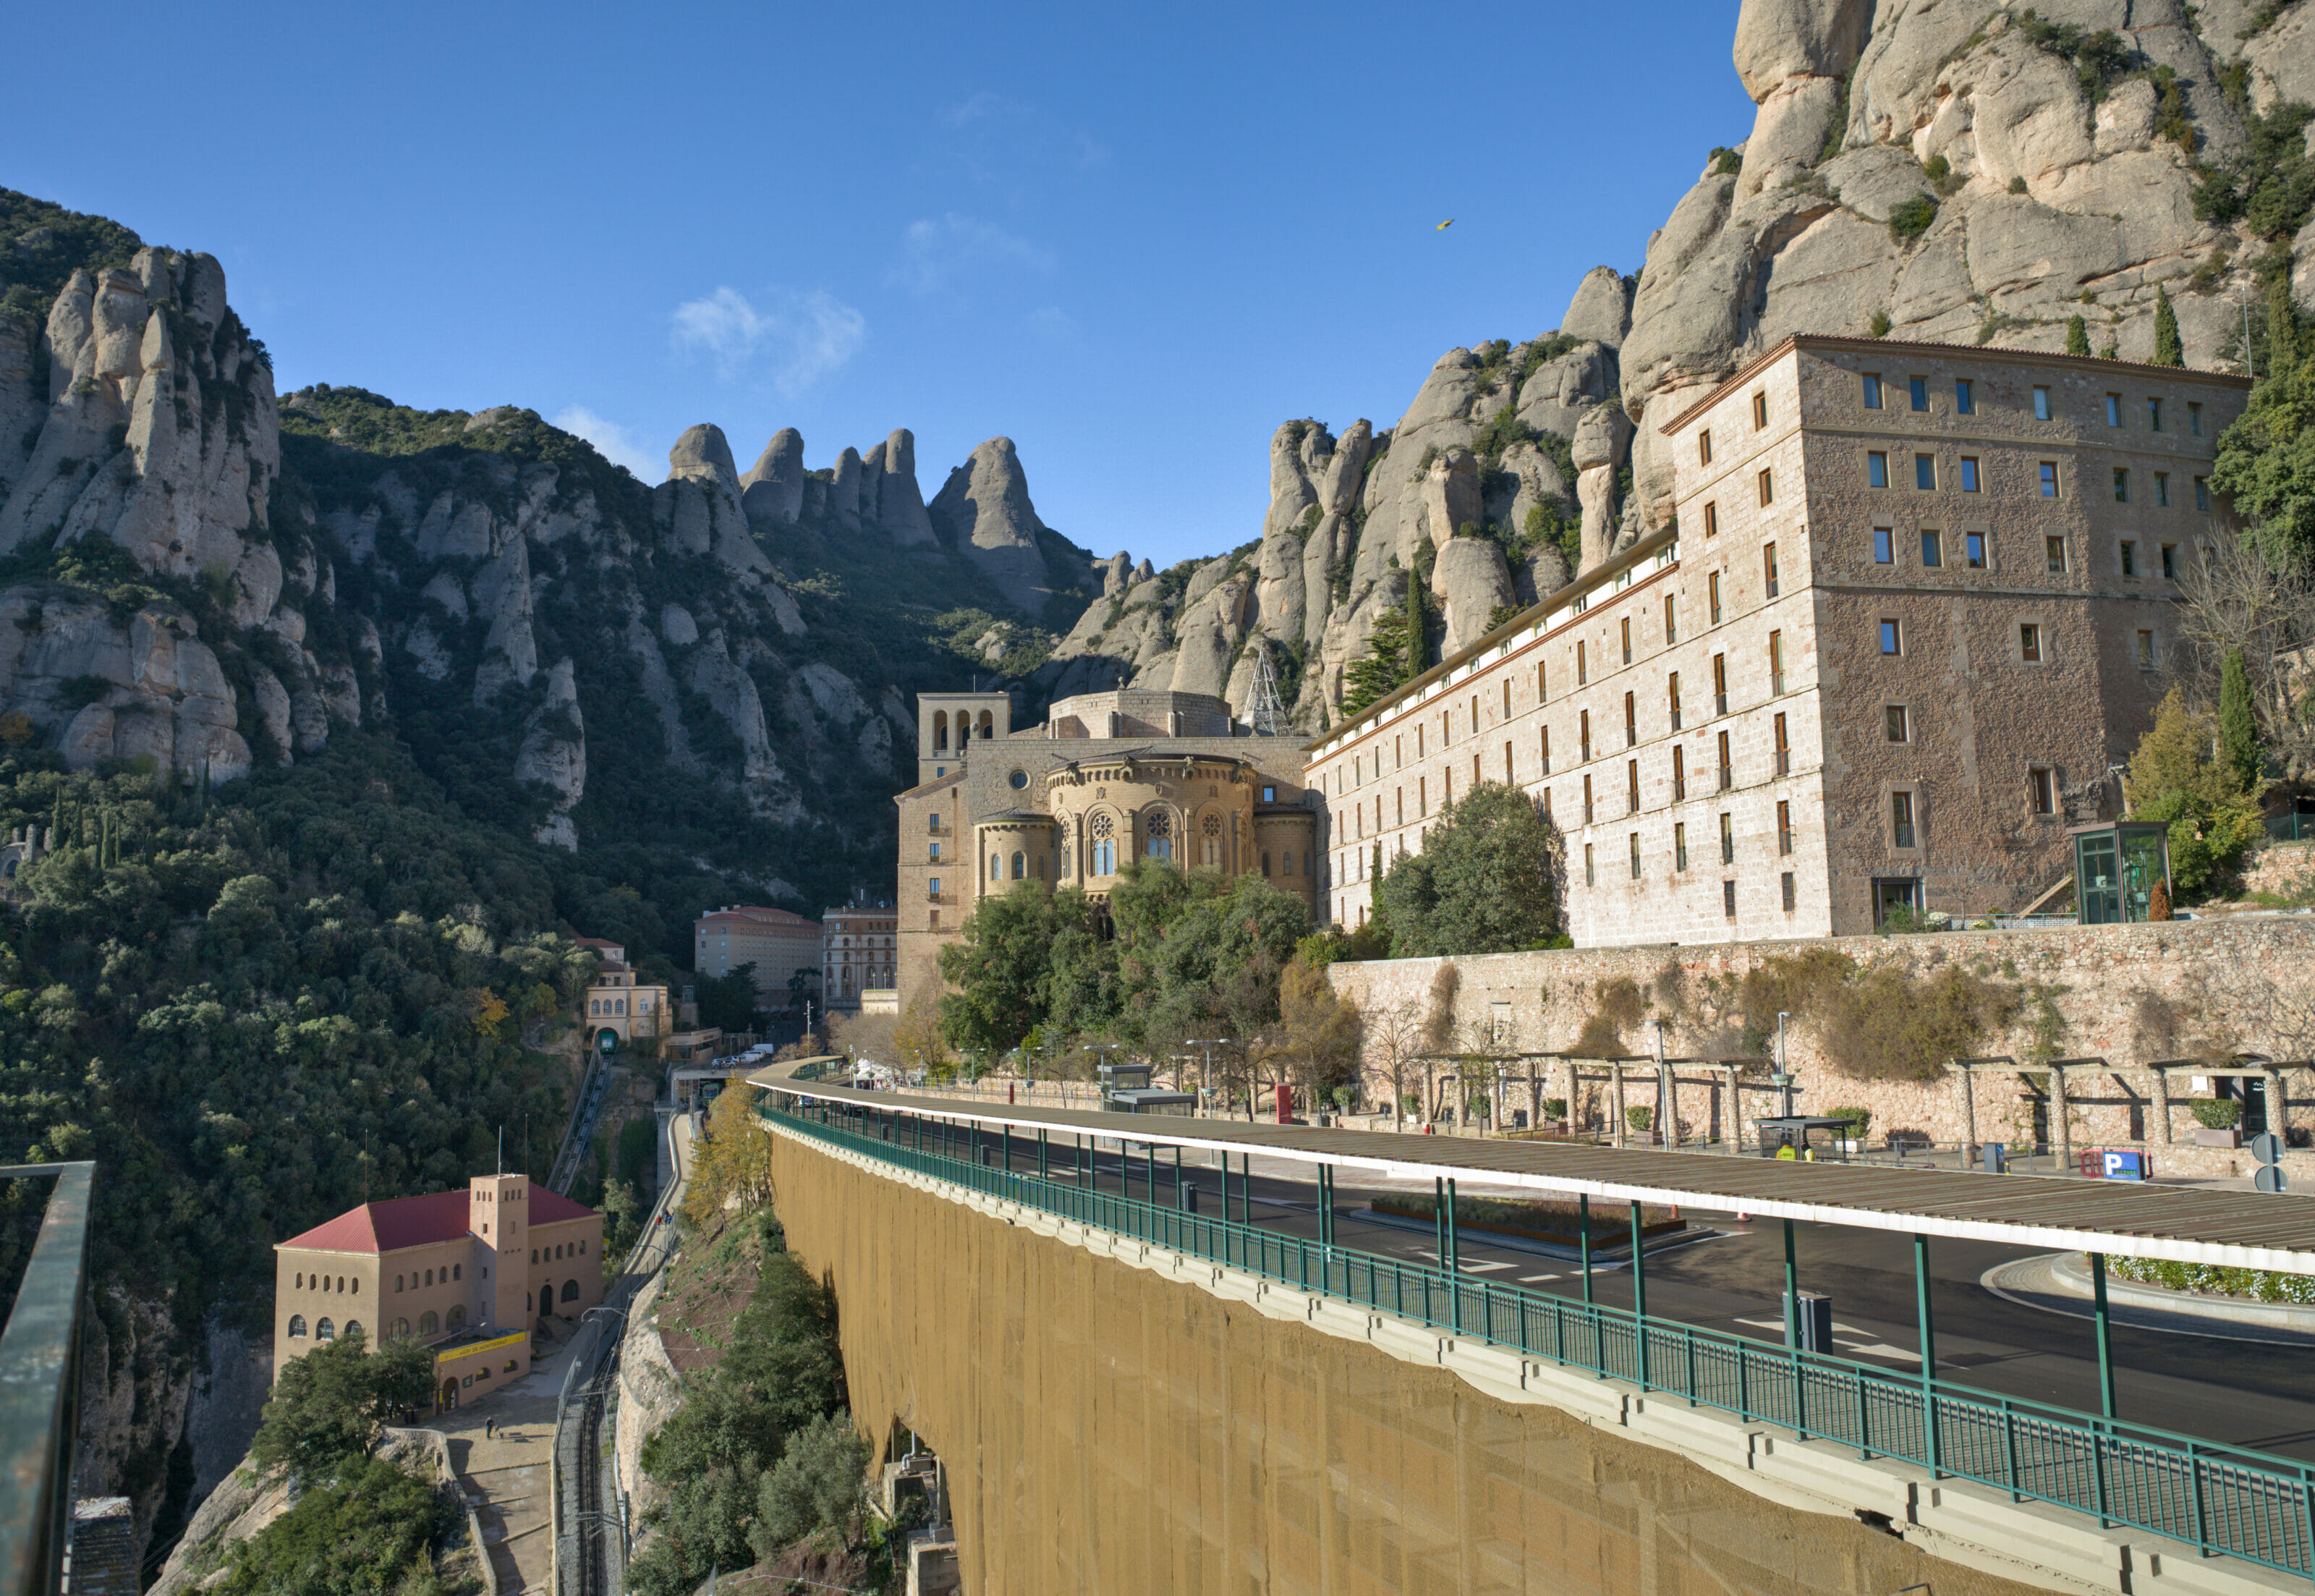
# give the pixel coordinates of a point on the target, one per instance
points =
(2123, 1167)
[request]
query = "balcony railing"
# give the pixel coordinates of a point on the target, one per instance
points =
(1905, 834)
(40, 1385)
(2215, 1499)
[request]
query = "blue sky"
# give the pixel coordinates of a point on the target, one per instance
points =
(1133, 239)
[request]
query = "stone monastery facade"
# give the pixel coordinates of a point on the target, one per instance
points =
(1914, 608)
(1110, 777)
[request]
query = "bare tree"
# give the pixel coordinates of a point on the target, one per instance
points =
(2233, 600)
(1394, 1043)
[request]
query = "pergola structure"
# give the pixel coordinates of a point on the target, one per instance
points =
(2155, 1075)
(1616, 1069)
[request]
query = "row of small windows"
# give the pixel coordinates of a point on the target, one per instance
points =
(569, 1249)
(1975, 552)
(1965, 403)
(966, 729)
(1925, 477)
(323, 1282)
(323, 1329)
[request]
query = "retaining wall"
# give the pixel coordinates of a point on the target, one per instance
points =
(1108, 1428)
(2127, 993)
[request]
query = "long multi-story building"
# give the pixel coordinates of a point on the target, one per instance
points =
(1108, 778)
(777, 943)
(858, 953)
(1914, 609)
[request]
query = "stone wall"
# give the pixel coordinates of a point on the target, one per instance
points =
(2127, 995)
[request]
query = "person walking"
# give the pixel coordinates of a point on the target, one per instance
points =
(490, 1427)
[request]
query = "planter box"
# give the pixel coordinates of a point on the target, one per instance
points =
(2230, 1138)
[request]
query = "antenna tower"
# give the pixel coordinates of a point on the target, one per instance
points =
(1263, 711)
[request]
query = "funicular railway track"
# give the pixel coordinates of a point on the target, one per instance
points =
(590, 1535)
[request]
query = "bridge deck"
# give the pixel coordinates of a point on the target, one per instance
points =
(2240, 1230)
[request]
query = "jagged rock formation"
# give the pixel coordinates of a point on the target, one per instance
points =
(1469, 489)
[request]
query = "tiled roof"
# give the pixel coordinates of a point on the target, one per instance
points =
(419, 1221)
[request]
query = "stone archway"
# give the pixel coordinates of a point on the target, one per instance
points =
(447, 1398)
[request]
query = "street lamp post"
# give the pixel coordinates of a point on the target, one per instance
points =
(1206, 1074)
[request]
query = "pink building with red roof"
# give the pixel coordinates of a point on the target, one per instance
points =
(468, 1274)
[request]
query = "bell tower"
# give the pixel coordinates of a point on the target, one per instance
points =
(949, 724)
(498, 1217)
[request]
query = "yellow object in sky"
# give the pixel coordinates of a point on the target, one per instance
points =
(1442, 226)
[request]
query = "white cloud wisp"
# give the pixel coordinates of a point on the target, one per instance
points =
(801, 338)
(614, 442)
(936, 251)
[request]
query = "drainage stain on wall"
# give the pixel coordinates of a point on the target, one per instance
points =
(1109, 1430)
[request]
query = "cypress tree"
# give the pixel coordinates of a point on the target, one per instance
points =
(2078, 336)
(1418, 624)
(2169, 348)
(2281, 327)
(2237, 727)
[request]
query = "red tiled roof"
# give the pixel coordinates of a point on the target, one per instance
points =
(598, 942)
(419, 1221)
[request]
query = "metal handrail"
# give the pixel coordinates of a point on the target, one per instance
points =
(40, 1385)
(2217, 1498)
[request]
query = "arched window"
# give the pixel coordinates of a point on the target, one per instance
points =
(1265, 862)
(353, 1326)
(296, 1326)
(940, 734)
(324, 1330)
(1020, 866)
(988, 726)
(571, 1291)
(357, 1286)
(458, 1271)
(456, 1318)
(301, 1281)
(397, 1282)
(428, 1324)
(996, 867)
(402, 1329)
(1104, 844)
(1210, 840)
(1158, 828)
(430, 1277)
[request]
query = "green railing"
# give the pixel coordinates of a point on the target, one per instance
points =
(2217, 1499)
(2298, 826)
(40, 1385)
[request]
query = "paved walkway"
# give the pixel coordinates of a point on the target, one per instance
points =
(512, 1472)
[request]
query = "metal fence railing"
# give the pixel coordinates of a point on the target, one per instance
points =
(2298, 826)
(40, 1385)
(2218, 1499)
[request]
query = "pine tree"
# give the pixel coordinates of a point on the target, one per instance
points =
(2169, 348)
(2078, 336)
(2237, 726)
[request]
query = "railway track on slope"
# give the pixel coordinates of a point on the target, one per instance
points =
(590, 1533)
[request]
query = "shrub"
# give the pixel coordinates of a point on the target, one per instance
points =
(1912, 217)
(1555, 1108)
(1640, 1117)
(2259, 1285)
(2077, 335)
(1879, 326)
(2016, 185)
(1857, 1117)
(1726, 161)
(2217, 1114)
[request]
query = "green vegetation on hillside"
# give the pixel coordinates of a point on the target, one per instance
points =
(42, 244)
(761, 1454)
(253, 1012)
